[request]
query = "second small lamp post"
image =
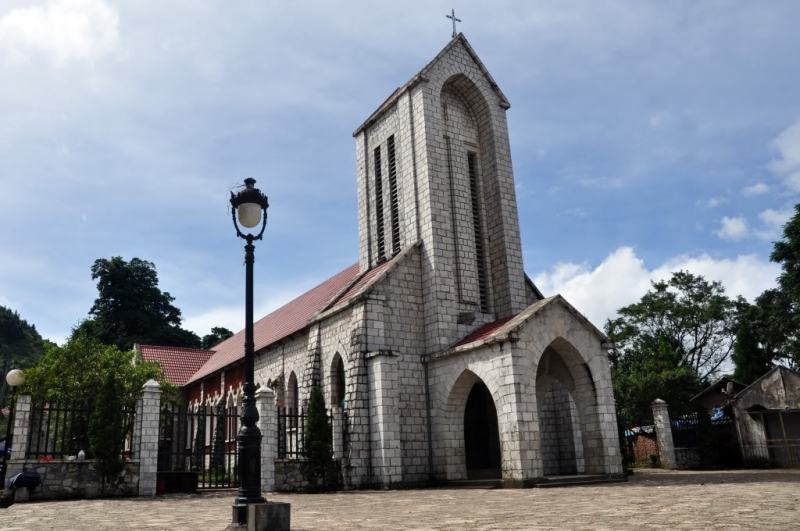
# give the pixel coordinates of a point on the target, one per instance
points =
(250, 207)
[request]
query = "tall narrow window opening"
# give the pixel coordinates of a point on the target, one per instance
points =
(379, 206)
(477, 224)
(394, 206)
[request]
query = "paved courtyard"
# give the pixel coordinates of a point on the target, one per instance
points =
(652, 499)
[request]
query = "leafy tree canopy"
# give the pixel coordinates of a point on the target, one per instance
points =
(76, 371)
(778, 319)
(752, 353)
(691, 315)
(130, 307)
(669, 344)
(647, 373)
(217, 335)
(20, 346)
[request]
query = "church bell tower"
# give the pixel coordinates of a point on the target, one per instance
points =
(434, 167)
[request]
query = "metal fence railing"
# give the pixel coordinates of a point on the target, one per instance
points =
(291, 433)
(202, 440)
(781, 454)
(60, 429)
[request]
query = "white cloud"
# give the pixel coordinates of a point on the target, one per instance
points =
(773, 221)
(714, 202)
(603, 183)
(732, 228)
(776, 218)
(232, 316)
(60, 30)
(622, 278)
(788, 165)
(756, 189)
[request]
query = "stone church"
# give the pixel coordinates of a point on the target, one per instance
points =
(445, 359)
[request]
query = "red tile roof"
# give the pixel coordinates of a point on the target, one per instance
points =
(179, 363)
(283, 322)
(484, 331)
(362, 283)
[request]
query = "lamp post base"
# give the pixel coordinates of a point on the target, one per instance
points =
(272, 516)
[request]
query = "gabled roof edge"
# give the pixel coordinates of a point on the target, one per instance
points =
(420, 77)
(504, 332)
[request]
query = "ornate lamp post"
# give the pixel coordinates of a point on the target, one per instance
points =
(250, 207)
(14, 378)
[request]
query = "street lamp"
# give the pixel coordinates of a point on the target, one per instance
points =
(14, 378)
(250, 207)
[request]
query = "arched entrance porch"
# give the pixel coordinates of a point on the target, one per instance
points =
(570, 441)
(471, 438)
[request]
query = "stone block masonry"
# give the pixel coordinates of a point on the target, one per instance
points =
(73, 478)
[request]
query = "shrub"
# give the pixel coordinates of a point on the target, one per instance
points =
(107, 430)
(318, 442)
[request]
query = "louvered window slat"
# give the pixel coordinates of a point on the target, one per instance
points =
(480, 255)
(379, 206)
(393, 198)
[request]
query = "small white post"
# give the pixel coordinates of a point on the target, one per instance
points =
(268, 424)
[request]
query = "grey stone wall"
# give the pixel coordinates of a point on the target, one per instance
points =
(436, 205)
(72, 478)
(294, 476)
(63, 479)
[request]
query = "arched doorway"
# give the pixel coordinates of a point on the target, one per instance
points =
(570, 439)
(481, 435)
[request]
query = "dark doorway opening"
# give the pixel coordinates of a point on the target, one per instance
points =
(481, 436)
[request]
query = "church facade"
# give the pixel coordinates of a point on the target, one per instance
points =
(446, 360)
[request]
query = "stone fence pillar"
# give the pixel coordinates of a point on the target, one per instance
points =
(666, 447)
(149, 414)
(21, 429)
(268, 424)
(337, 427)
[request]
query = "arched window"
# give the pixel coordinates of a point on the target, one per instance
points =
(337, 381)
(292, 400)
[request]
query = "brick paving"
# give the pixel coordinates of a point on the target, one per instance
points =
(651, 499)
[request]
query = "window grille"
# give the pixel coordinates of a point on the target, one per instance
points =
(477, 225)
(379, 206)
(395, 207)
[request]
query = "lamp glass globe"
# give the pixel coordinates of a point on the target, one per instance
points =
(249, 214)
(15, 377)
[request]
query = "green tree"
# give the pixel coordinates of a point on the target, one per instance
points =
(218, 335)
(77, 370)
(130, 307)
(780, 329)
(107, 430)
(669, 344)
(20, 346)
(318, 442)
(751, 356)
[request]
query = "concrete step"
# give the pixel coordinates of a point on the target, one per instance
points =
(475, 484)
(577, 479)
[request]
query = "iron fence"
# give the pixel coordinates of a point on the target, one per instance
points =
(200, 440)
(779, 454)
(59, 429)
(291, 433)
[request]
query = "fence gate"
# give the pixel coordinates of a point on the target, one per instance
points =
(200, 440)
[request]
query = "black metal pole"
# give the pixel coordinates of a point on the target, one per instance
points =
(249, 436)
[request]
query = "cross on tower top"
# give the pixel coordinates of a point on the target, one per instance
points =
(452, 16)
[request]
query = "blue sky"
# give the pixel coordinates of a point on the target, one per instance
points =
(646, 137)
